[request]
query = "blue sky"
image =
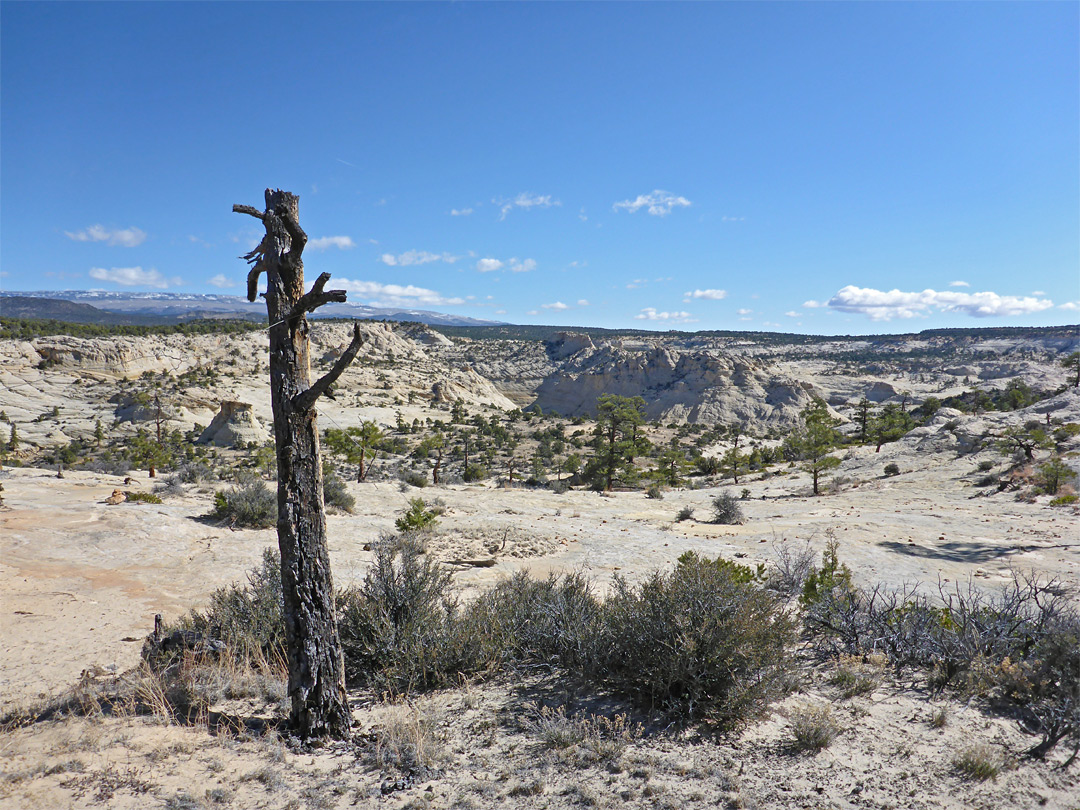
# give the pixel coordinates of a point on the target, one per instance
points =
(807, 167)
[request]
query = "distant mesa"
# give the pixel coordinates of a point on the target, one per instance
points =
(235, 425)
(567, 344)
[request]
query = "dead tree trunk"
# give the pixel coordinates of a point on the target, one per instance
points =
(316, 670)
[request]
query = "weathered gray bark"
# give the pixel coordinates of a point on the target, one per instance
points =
(316, 670)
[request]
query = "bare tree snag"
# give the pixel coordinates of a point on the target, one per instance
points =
(316, 670)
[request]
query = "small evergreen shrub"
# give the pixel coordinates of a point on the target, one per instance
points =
(417, 518)
(891, 469)
(726, 509)
(654, 493)
(336, 493)
(473, 473)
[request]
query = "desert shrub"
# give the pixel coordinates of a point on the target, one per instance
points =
(251, 504)
(406, 743)
(726, 509)
(654, 493)
(171, 487)
(814, 727)
(553, 621)
(987, 481)
(248, 617)
(686, 513)
(143, 497)
(1064, 500)
(791, 567)
(986, 466)
(979, 762)
(744, 495)
(336, 493)
(891, 469)
(832, 580)
(1020, 646)
(194, 472)
(418, 517)
(857, 675)
(414, 479)
(559, 486)
(400, 628)
(695, 643)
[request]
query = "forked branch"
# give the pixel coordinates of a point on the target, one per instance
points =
(305, 400)
(316, 297)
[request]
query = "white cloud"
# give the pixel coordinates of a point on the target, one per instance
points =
(745, 312)
(637, 282)
(489, 265)
(650, 314)
(556, 305)
(659, 203)
(134, 277)
(732, 219)
(1070, 305)
(813, 304)
(583, 302)
(324, 242)
(959, 284)
(582, 215)
(221, 280)
(514, 265)
(883, 306)
(1038, 293)
(525, 200)
(533, 312)
(397, 295)
(415, 257)
(125, 237)
(709, 295)
(793, 314)
(460, 212)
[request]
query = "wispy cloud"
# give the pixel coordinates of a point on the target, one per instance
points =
(489, 265)
(659, 203)
(557, 305)
(134, 277)
(583, 302)
(525, 200)
(792, 314)
(513, 264)
(397, 295)
(883, 306)
(959, 284)
(1070, 305)
(326, 242)
(222, 281)
(460, 212)
(745, 312)
(708, 295)
(650, 314)
(124, 237)
(415, 257)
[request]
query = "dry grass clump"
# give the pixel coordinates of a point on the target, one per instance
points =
(406, 742)
(814, 727)
(251, 504)
(586, 739)
(858, 675)
(979, 762)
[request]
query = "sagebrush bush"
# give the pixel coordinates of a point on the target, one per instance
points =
(791, 567)
(143, 497)
(248, 617)
(726, 509)
(400, 628)
(697, 642)
(251, 504)
(686, 513)
(336, 493)
(655, 493)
